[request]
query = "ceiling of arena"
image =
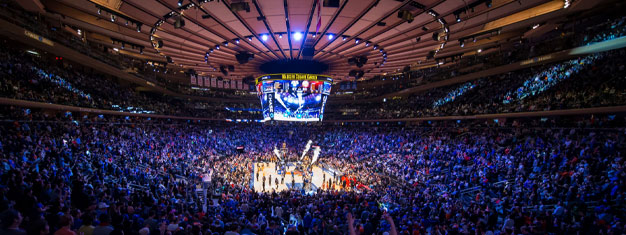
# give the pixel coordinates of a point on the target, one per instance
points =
(269, 30)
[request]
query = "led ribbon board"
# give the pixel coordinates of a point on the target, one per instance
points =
(293, 96)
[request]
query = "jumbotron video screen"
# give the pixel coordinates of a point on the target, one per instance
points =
(293, 97)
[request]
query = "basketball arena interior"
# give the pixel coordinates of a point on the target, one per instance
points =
(311, 117)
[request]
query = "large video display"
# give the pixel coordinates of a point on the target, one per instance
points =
(293, 97)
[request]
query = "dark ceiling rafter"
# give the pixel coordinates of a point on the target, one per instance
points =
(306, 32)
(254, 34)
(356, 19)
(286, 6)
(331, 22)
(240, 37)
(387, 29)
(203, 27)
(420, 34)
(173, 33)
(390, 13)
(269, 29)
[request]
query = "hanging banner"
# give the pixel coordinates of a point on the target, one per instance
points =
(193, 79)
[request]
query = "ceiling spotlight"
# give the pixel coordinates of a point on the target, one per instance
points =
(237, 40)
(112, 18)
(462, 43)
(479, 50)
(458, 18)
(225, 44)
(217, 47)
(381, 50)
(474, 39)
(488, 3)
(356, 40)
(126, 23)
(297, 35)
(99, 11)
(375, 47)
(367, 44)
(344, 38)
(314, 34)
(139, 28)
(249, 38)
(211, 50)
(264, 37)
(280, 35)
(330, 36)
(385, 54)
(180, 3)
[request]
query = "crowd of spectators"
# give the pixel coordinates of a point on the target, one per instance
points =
(33, 77)
(581, 32)
(63, 173)
(596, 80)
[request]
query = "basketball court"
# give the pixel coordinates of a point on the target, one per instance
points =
(293, 178)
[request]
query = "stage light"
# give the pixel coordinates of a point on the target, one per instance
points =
(264, 37)
(297, 35)
(314, 34)
(479, 50)
(381, 50)
(330, 36)
(280, 35)
(367, 44)
(225, 44)
(138, 28)
(356, 40)
(180, 3)
(112, 18)
(462, 43)
(237, 40)
(99, 11)
(375, 47)
(344, 38)
(458, 18)
(217, 47)
(249, 38)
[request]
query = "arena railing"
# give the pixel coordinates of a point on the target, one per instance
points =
(564, 112)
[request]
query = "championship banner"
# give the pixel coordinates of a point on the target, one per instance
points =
(193, 79)
(207, 81)
(213, 82)
(227, 84)
(220, 84)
